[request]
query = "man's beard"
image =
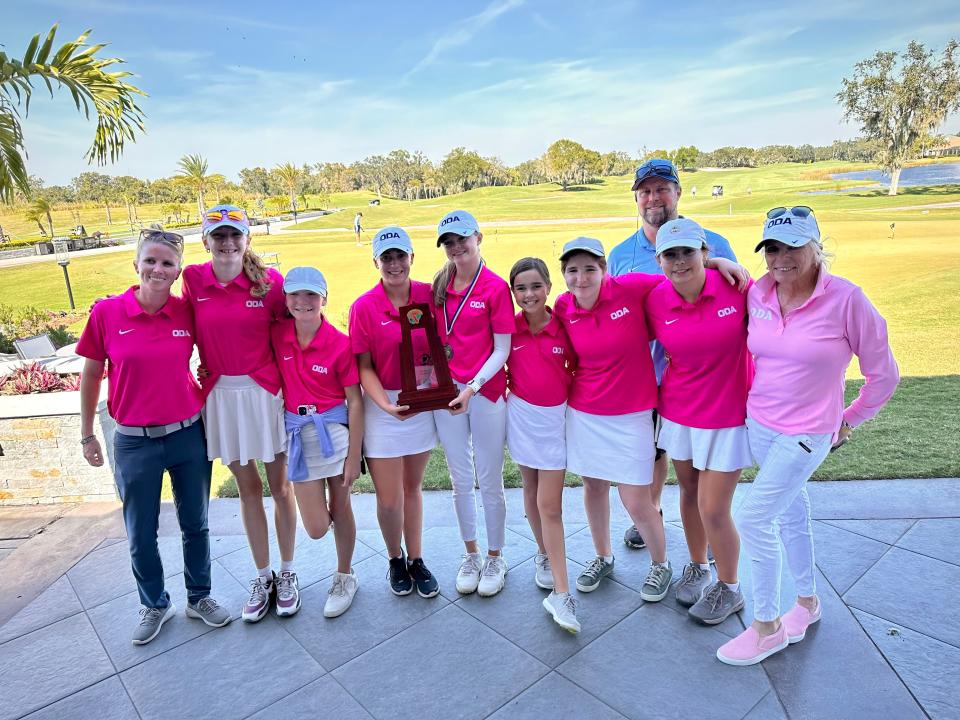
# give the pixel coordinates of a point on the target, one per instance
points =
(657, 216)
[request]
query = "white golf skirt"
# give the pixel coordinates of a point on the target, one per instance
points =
(386, 437)
(243, 421)
(535, 434)
(723, 450)
(617, 448)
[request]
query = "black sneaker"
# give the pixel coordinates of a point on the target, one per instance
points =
(427, 585)
(400, 581)
(632, 538)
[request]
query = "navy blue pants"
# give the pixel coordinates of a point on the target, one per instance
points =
(140, 462)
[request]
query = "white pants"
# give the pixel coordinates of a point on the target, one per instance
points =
(473, 443)
(777, 510)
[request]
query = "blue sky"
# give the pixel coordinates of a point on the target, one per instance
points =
(254, 83)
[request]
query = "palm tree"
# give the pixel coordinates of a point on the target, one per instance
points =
(193, 172)
(290, 178)
(36, 211)
(90, 82)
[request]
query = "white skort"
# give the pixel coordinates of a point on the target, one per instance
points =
(723, 450)
(386, 437)
(616, 448)
(318, 466)
(243, 421)
(535, 434)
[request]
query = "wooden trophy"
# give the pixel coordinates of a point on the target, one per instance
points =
(425, 379)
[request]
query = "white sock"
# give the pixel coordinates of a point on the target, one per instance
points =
(266, 573)
(704, 566)
(735, 587)
(286, 566)
(608, 558)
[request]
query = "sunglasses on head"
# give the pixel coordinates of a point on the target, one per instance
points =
(160, 235)
(660, 168)
(800, 211)
(218, 215)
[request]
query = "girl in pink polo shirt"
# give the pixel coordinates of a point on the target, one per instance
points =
(145, 339)
(805, 326)
(396, 447)
(538, 376)
(235, 300)
(609, 426)
(702, 323)
(475, 319)
(324, 422)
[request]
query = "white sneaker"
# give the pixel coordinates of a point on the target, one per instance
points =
(493, 576)
(468, 576)
(341, 594)
(563, 608)
(544, 576)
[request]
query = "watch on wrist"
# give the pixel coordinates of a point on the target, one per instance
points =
(475, 385)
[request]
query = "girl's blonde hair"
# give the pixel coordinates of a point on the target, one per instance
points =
(440, 282)
(256, 272)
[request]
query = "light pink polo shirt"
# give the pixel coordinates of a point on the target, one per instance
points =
(614, 374)
(489, 311)
(540, 367)
(375, 327)
(233, 327)
(802, 358)
(149, 381)
(709, 368)
(319, 374)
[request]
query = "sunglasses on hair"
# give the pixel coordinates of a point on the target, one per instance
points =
(218, 215)
(158, 235)
(800, 211)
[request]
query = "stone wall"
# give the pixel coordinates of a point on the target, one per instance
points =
(42, 458)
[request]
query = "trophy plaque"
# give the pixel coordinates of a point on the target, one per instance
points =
(424, 375)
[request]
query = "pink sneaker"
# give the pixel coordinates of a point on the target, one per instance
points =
(798, 620)
(748, 648)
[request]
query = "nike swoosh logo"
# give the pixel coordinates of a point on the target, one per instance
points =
(519, 347)
(385, 322)
(124, 332)
(574, 321)
(288, 357)
(202, 299)
(671, 322)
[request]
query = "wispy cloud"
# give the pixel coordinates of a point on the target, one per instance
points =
(463, 32)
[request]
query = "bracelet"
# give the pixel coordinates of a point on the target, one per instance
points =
(88, 439)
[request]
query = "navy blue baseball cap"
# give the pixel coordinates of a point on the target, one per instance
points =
(655, 167)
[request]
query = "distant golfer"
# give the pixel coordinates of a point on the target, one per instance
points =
(357, 228)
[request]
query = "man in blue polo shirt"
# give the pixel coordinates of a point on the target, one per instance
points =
(656, 188)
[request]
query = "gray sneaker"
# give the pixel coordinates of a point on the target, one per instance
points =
(563, 608)
(593, 573)
(210, 611)
(633, 539)
(544, 576)
(692, 583)
(717, 604)
(657, 583)
(151, 620)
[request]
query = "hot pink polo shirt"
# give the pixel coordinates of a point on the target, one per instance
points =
(802, 358)
(375, 327)
(149, 381)
(614, 374)
(488, 311)
(319, 374)
(233, 327)
(540, 367)
(709, 369)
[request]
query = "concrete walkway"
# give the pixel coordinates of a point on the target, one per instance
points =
(888, 645)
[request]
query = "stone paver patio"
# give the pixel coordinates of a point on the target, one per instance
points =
(888, 645)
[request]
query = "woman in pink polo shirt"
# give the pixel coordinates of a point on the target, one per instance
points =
(538, 376)
(324, 422)
(235, 300)
(475, 319)
(609, 427)
(396, 447)
(145, 338)
(805, 327)
(702, 323)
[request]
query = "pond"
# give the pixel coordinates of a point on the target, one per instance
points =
(937, 174)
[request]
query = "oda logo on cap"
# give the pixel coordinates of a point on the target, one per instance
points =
(388, 236)
(448, 220)
(675, 229)
(779, 221)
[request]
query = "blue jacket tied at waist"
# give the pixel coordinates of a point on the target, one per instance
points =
(296, 465)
